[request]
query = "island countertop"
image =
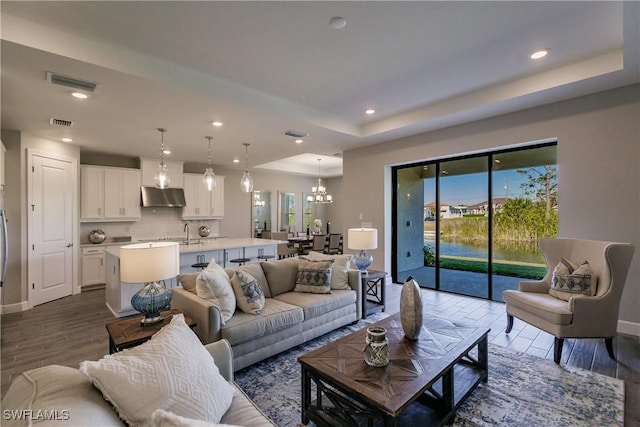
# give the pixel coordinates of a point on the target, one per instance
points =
(212, 245)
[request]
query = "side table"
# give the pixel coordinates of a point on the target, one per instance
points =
(129, 332)
(374, 286)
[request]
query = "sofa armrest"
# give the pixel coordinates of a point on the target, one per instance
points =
(535, 286)
(355, 281)
(203, 312)
(223, 357)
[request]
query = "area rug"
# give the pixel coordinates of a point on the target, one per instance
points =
(522, 390)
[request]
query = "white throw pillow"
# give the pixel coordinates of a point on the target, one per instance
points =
(169, 419)
(172, 371)
(569, 280)
(339, 269)
(249, 295)
(213, 285)
(313, 276)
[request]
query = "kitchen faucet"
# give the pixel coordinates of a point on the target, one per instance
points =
(186, 228)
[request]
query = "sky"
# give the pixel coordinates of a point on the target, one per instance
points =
(472, 189)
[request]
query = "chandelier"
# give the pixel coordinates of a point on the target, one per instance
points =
(209, 177)
(319, 191)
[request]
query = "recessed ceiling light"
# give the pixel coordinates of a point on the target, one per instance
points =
(236, 160)
(79, 95)
(67, 139)
(299, 141)
(370, 111)
(165, 151)
(498, 161)
(540, 53)
(337, 22)
(216, 124)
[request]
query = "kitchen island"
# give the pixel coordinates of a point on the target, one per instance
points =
(118, 294)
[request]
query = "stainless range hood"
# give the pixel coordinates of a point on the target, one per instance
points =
(153, 197)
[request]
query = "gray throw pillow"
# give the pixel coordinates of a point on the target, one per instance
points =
(281, 275)
(314, 276)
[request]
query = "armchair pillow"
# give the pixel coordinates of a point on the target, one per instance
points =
(213, 284)
(172, 371)
(569, 280)
(248, 292)
(314, 276)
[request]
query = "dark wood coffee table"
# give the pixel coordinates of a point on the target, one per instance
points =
(431, 376)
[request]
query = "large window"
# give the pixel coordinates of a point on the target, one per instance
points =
(470, 225)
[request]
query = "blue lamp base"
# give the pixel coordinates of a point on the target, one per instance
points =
(362, 261)
(150, 301)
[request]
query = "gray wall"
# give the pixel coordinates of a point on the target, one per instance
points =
(598, 170)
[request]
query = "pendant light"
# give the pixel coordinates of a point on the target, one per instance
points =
(319, 192)
(161, 177)
(246, 183)
(209, 177)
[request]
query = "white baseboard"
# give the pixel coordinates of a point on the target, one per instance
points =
(14, 308)
(629, 328)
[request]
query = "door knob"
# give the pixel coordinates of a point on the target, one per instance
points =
(69, 245)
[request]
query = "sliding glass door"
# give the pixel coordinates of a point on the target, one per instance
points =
(470, 225)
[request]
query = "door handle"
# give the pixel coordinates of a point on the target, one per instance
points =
(69, 245)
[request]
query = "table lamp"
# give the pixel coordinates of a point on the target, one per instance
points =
(148, 263)
(362, 239)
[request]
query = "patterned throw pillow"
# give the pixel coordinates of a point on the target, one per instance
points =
(339, 270)
(172, 371)
(314, 276)
(569, 280)
(249, 295)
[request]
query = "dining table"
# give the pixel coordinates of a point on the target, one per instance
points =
(301, 243)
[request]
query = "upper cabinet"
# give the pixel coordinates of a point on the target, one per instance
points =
(202, 203)
(109, 194)
(150, 166)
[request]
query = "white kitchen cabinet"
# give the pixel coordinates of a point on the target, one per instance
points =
(202, 203)
(121, 194)
(91, 193)
(109, 194)
(150, 166)
(93, 266)
(232, 253)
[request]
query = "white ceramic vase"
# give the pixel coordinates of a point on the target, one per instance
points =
(411, 309)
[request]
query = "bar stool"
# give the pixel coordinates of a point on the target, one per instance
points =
(200, 265)
(265, 257)
(240, 261)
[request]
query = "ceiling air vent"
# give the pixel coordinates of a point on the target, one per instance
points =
(295, 134)
(67, 81)
(60, 122)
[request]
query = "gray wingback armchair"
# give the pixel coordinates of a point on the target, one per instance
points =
(582, 316)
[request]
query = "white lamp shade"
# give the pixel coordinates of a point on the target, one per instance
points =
(149, 262)
(362, 238)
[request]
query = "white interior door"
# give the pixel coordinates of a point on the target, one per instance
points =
(51, 229)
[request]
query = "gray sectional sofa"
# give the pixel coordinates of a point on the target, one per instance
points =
(288, 319)
(68, 394)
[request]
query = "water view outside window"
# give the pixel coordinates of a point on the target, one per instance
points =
(482, 217)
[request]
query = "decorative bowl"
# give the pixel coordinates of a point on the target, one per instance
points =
(97, 236)
(203, 231)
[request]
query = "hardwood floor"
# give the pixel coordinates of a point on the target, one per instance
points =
(72, 329)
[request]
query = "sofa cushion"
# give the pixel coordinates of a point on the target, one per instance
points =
(314, 305)
(256, 271)
(248, 293)
(172, 371)
(163, 418)
(188, 281)
(58, 388)
(213, 285)
(314, 276)
(339, 269)
(281, 275)
(244, 412)
(275, 315)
